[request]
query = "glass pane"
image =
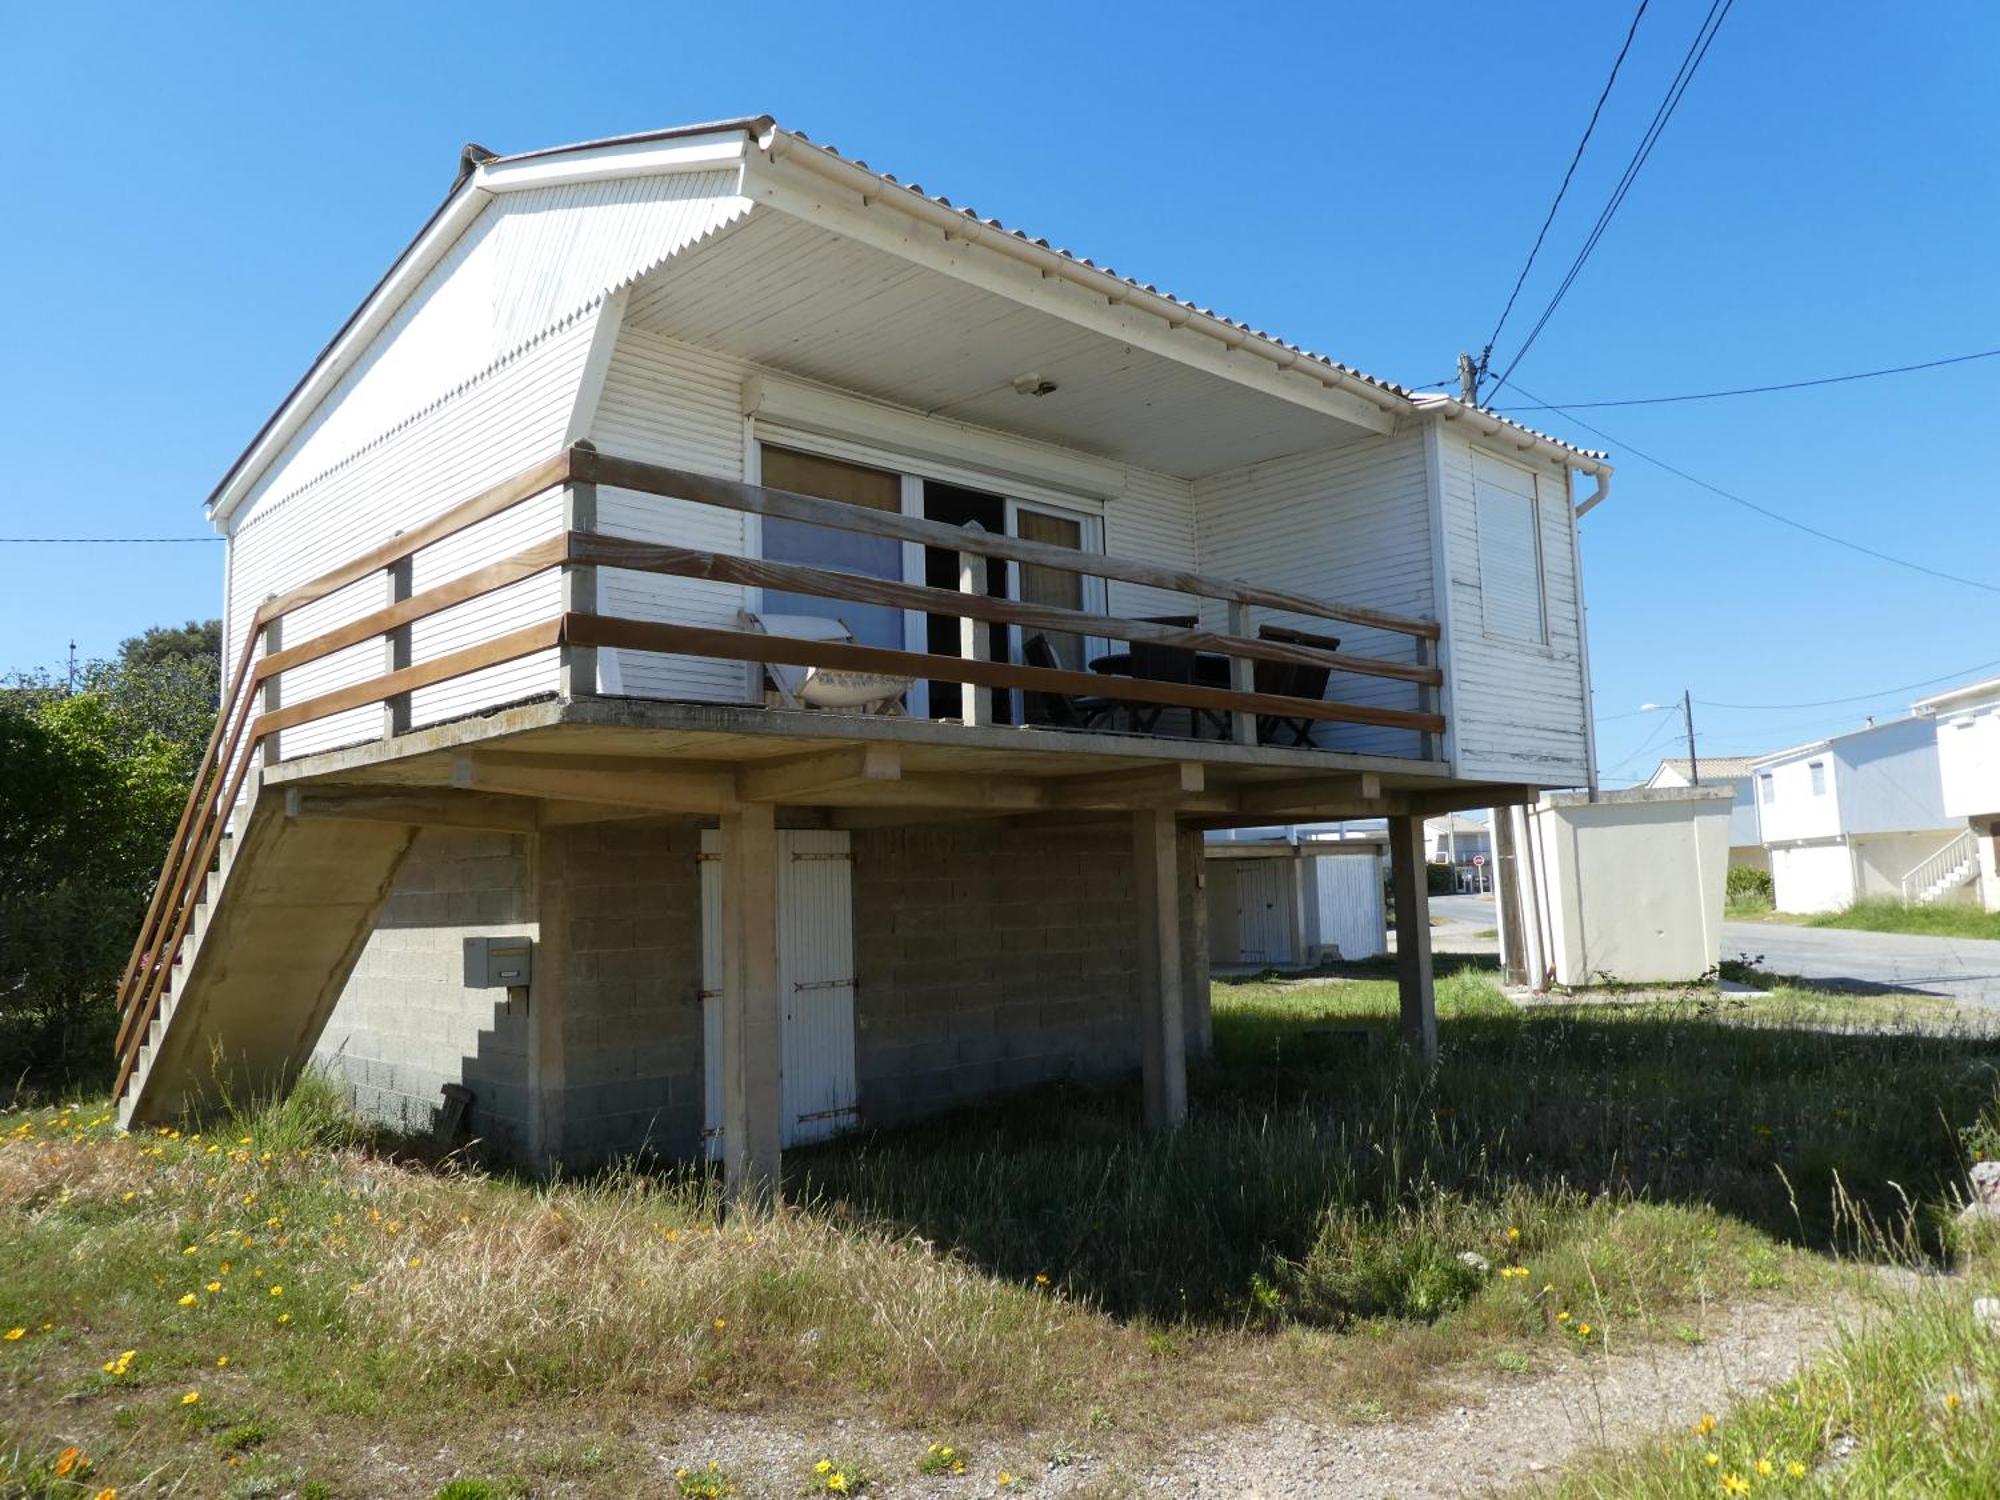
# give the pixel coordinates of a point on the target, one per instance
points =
(1040, 585)
(824, 547)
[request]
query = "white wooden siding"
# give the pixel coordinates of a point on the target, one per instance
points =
(530, 261)
(1517, 706)
(490, 430)
(1968, 739)
(1152, 522)
(1349, 524)
(670, 403)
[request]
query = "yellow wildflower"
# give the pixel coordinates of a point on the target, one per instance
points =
(416, 1261)
(1951, 1401)
(1041, 1278)
(107, 1493)
(722, 1323)
(222, 1361)
(15, 1335)
(1735, 1484)
(284, 1317)
(1711, 1459)
(277, 1291)
(1796, 1469)
(837, 1482)
(1766, 1468)
(1706, 1425)
(1513, 1235)
(215, 1286)
(70, 1461)
(189, 1300)
(191, 1398)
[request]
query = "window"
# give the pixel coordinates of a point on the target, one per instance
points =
(1767, 787)
(1817, 770)
(1508, 515)
(823, 547)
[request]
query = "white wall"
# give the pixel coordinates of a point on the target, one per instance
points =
(1517, 706)
(1632, 885)
(1349, 524)
(1787, 806)
(1968, 743)
(1889, 781)
(1812, 877)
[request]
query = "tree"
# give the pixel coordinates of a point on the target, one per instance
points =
(92, 783)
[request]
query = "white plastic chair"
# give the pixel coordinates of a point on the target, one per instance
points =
(826, 687)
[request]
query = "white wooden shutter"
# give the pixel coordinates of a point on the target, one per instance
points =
(1510, 551)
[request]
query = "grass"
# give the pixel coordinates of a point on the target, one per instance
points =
(1943, 919)
(1015, 1281)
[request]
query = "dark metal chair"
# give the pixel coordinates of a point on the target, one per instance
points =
(1060, 710)
(1290, 680)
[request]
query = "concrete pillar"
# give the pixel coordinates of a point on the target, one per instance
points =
(1200, 1022)
(752, 1015)
(1162, 1003)
(555, 915)
(1408, 874)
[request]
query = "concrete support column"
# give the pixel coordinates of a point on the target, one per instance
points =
(1200, 1023)
(752, 1015)
(555, 916)
(1408, 876)
(1162, 1003)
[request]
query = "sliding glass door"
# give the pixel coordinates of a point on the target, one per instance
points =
(824, 547)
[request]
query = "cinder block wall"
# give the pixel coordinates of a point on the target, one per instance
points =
(406, 1025)
(629, 1077)
(994, 958)
(989, 959)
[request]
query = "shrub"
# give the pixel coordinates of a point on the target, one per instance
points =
(1400, 1264)
(1747, 882)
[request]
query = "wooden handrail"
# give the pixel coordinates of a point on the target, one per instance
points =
(747, 645)
(588, 466)
(240, 730)
(751, 572)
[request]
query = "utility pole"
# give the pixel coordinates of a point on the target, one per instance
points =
(1687, 713)
(1468, 380)
(72, 668)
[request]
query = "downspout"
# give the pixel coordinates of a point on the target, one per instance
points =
(1583, 627)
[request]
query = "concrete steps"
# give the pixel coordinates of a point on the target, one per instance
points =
(270, 945)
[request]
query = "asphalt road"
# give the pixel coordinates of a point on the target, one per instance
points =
(1963, 969)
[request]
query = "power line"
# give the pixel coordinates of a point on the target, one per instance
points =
(1718, 12)
(101, 541)
(1904, 687)
(1759, 390)
(1762, 510)
(1577, 156)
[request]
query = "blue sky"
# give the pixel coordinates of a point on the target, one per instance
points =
(197, 198)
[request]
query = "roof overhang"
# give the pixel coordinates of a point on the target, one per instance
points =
(785, 169)
(1972, 694)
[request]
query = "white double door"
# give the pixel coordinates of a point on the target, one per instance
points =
(815, 986)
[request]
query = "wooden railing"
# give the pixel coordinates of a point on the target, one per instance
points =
(252, 715)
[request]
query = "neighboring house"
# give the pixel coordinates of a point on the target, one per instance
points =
(1296, 895)
(1465, 844)
(710, 663)
(1858, 817)
(1746, 837)
(1967, 723)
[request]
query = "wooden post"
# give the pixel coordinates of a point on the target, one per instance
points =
(1162, 1005)
(1430, 699)
(752, 1016)
(975, 703)
(400, 576)
(1242, 678)
(555, 912)
(1407, 874)
(1507, 903)
(578, 671)
(272, 688)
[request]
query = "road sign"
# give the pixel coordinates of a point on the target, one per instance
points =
(1478, 860)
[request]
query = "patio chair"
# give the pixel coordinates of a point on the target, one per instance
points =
(831, 688)
(1291, 680)
(1061, 710)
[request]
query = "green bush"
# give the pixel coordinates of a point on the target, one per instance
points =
(1747, 882)
(1402, 1264)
